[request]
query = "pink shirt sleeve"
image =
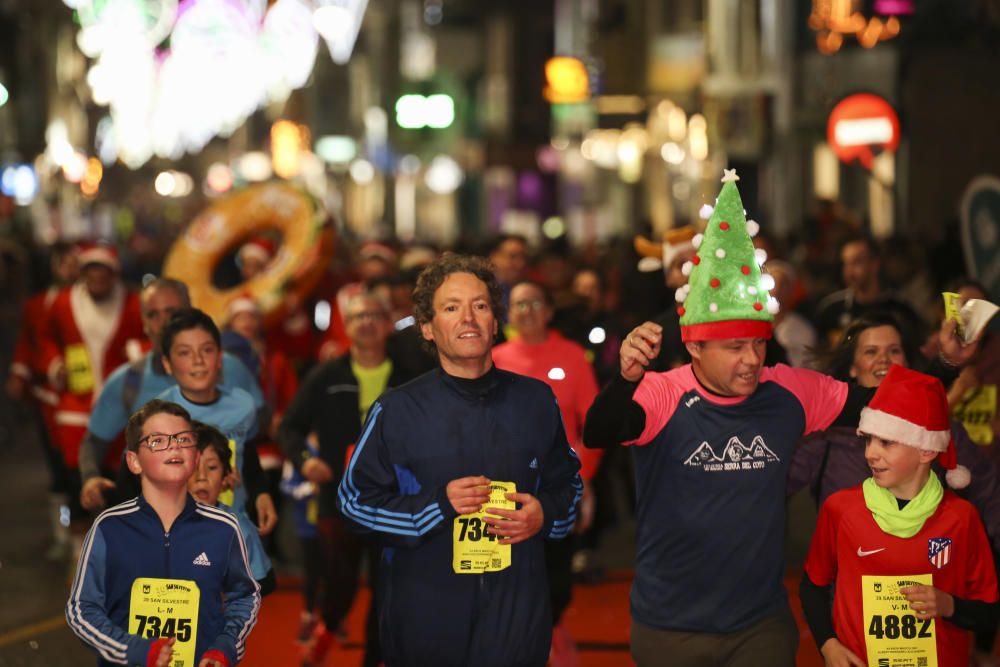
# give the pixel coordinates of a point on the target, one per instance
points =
(658, 395)
(822, 398)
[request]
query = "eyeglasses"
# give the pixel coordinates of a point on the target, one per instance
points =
(525, 306)
(157, 442)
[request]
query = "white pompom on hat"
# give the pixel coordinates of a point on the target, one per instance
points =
(912, 408)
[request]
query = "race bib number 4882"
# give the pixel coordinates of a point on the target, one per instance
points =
(166, 608)
(895, 637)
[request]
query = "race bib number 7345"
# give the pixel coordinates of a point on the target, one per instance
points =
(166, 608)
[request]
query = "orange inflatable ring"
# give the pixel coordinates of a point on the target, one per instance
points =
(305, 250)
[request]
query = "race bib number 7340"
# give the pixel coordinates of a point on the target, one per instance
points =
(474, 549)
(166, 608)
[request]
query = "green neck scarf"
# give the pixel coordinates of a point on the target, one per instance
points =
(908, 521)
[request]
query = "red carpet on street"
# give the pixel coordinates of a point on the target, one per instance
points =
(598, 619)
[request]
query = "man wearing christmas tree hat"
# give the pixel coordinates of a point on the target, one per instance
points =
(712, 441)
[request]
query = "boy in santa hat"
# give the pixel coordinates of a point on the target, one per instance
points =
(907, 562)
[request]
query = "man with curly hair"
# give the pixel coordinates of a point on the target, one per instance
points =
(460, 475)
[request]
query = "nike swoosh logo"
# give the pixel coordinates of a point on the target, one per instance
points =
(862, 553)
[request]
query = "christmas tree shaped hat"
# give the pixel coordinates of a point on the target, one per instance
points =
(725, 297)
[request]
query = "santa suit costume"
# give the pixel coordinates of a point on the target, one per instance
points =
(26, 364)
(87, 339)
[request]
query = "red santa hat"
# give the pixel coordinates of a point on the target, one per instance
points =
(241, 304)
(259, 248)
(912, 408)
(99, 253)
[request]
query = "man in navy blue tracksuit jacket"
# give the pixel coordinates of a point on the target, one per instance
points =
(425, 461)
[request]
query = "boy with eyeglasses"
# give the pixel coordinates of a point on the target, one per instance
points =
(154, 570)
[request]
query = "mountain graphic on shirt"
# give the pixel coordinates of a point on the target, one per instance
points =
(734, 451)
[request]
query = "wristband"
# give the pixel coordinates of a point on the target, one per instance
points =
(154, 651)
(217, 655)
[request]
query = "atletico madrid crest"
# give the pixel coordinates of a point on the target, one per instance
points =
(939, 551)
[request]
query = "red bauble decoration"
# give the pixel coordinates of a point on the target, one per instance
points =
(724, 226)
(680, 311)
(745, 269)
(758, 306)
(696, 260)
(715, 282)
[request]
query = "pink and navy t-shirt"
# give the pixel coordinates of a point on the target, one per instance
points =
(710, 480)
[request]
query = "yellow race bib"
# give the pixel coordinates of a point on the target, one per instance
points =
(976, 411)
(79, 372)
(228, 497)
(166, 608)
(895, 637)
(474, 550)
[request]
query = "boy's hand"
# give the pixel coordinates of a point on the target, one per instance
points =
(214, 658)
(232, 480)
(928, 602)
(92, 494)
(267, 516)
(836, 654)
(161, 658)
(641, 346)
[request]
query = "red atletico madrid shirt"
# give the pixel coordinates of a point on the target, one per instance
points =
(848, 544)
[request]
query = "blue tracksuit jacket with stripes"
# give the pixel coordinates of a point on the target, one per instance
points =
(126, 542)
(421, 436)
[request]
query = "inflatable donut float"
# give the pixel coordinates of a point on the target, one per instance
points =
(306, 247)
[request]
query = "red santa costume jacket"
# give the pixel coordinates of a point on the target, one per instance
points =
(105, 331)
(26, 364)
(951, 546)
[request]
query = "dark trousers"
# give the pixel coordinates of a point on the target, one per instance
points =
(772, 641)
(342, 552)
(559, 568)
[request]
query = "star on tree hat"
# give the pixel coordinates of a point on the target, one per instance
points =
(912, 408)
(725, 296)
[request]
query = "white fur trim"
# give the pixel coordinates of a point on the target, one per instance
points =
(896, 429)
(958, 477)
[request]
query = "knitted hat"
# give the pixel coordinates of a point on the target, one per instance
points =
(912, 408)
(99, 253)
(724, 297)
(655, 256)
